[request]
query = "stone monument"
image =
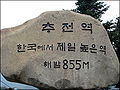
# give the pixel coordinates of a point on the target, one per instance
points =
(59, 49)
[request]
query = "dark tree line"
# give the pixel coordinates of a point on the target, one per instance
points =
(113, 29)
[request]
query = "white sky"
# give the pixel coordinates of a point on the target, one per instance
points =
(112, 12)
(14, 13)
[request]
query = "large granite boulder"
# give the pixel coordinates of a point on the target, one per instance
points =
(59, 49)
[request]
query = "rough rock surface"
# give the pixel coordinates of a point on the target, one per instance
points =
(38, 52)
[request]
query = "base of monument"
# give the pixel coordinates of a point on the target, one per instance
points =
(68, 89)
